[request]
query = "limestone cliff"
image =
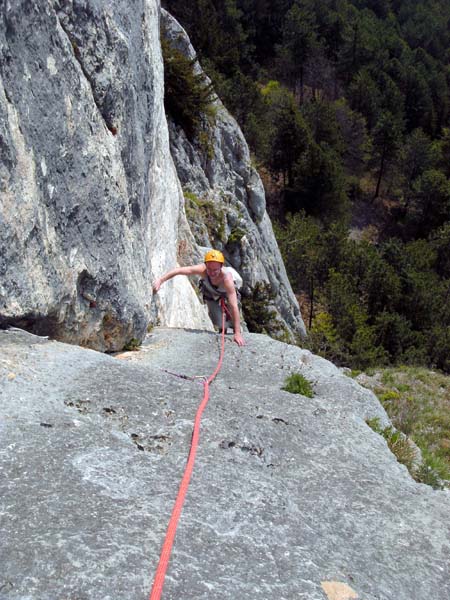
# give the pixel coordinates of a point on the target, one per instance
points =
(91, 207)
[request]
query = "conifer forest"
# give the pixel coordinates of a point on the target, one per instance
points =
(345, 105)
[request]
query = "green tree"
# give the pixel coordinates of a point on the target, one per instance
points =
(392, 99)
(263, 23)
(299, 240)
(440, 93)
(440, 243)
(360, 42)
(352, 321)
(443, 150)
(365, 97)
(439, 347)
(298, 43)
(386, 141)
(424, 25)
(320, 184)
(394, 333)
(342, 302)
(375, 281)
(417, 155)
(355, 141)
(324, 339)
(380, 7)
(288, 135)
(418, 101)
(420, 284)
(430, 206)
(243, 97)
(323, 124)
(188, 96)
(365, 351)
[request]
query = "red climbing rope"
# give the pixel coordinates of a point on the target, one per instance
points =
(160, 575)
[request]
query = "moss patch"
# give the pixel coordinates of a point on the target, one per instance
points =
(209, 213)
(132, 344)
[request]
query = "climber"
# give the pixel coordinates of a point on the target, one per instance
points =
(216, 282)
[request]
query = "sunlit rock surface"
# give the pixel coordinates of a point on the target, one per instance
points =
(90, 201)
(291, 497)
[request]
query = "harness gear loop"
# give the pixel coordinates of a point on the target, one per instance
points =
(161, 570)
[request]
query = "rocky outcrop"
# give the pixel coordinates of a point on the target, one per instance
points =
(90, 200)
(91, 205)
(291, 497)
(223, 183)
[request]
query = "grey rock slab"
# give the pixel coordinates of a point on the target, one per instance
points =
(287, 491)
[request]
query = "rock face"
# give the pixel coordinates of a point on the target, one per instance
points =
(224, 183)
(90, 201)
(91, 208)
(290, 498)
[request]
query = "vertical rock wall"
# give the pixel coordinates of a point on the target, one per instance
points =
(89, 197)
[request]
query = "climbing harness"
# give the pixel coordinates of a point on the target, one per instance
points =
(161, 570)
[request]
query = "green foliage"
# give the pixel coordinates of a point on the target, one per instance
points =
(440, 244)
(417, 155)
(365, 97)
(132, 345)
(340, 101)
(299, 42)
(416, 400)
(439, 345)
(387, 137)
(353, 138)
(258, 310)
(323, 335)
(236, 235)
(297, 384)
(287, 136)
(394, 333)
(370, 305)
(364, 348)
(430, 205)
(188, 96)
(319, 184)
(207, 212)
(397, 443)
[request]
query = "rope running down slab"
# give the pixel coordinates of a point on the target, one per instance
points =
(161, 570)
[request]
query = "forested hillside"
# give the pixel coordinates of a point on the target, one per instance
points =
(345, 105)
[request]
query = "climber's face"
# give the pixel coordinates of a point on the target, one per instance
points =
(213, 268)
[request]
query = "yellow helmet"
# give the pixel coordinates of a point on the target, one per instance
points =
(215, 255)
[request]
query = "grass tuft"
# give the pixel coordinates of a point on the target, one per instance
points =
(397, 442)
(297, 384)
